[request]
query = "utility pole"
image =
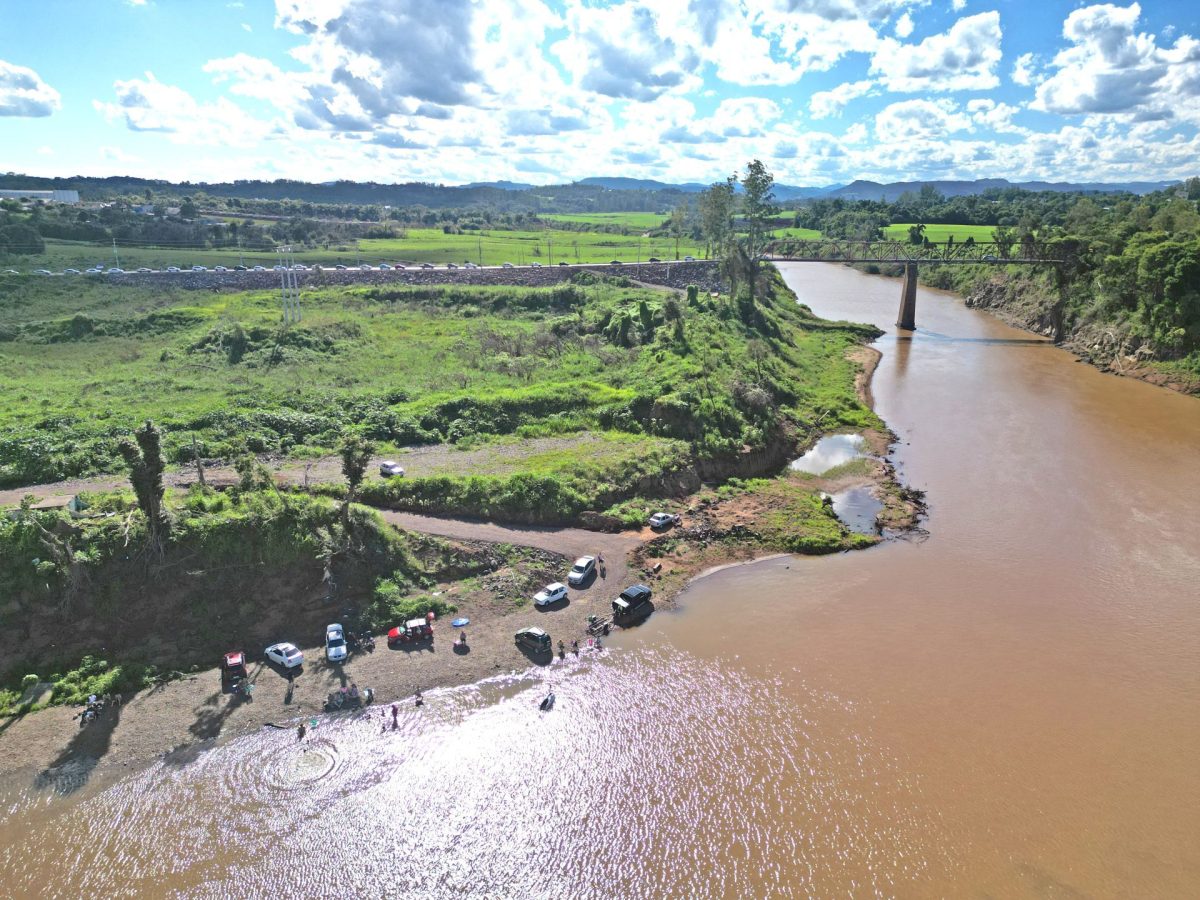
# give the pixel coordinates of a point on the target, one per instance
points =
(480, 247)
(115, 255)
(241, 255)
(549, 249)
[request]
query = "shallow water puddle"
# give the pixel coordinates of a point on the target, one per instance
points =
(830, 451)
(857, 508)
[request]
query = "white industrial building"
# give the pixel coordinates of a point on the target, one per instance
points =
(47, 196)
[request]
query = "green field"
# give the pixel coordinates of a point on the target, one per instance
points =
(802, 234)
(82, 362)
(642, 220)
(939, 234)
(487, 248)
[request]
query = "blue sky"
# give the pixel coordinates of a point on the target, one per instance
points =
(455, 91)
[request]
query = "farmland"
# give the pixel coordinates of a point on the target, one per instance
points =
(418, 245)
(939, 234)
(653, 382)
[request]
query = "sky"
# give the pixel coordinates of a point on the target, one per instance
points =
(548, 91)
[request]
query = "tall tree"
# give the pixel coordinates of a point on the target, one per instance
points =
(145, 462)
(758, 206)
(356, 456)
(715, 204)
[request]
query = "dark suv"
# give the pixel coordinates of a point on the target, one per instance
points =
(534, 639)
(633, 601)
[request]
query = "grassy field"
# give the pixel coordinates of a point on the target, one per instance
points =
(939, 234)
(488, 248)
(643, 220)
(83, 362)
(803, 234)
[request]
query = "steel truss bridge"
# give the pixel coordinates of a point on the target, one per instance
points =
(909, 255)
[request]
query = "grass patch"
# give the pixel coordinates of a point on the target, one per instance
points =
(939, 234)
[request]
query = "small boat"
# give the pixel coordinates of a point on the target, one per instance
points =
(547, 703)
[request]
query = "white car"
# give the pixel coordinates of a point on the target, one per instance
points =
(116, 271)
(70, 271)
(144, 270)
(173, 269)
(550, 594)
(259, 269)
(389, 468)
(507, 266)
(335, 644)
(285, 654)
(220, 269)
(689, 259)
(661, 520)
(583, 569)
(536, 265)
(199, 269)
(41, 271)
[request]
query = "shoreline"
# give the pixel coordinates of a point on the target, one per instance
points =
(192, 713)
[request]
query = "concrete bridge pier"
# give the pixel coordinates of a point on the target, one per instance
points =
(908, 299)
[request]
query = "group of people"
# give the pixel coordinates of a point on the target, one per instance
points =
(96, 705)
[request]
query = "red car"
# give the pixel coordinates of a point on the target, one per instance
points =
(233, 666)
(412, 630)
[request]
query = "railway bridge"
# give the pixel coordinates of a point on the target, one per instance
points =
(909, 255)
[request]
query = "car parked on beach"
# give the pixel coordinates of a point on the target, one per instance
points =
(534, 639)
(285, 654)
(335, 644)
(634, 600)
(412, 630)
(550, 594)
(584, 568)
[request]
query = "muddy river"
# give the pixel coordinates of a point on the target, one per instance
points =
(1009, 708)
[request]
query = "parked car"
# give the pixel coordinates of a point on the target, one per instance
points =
(615, 262)
(259, 269)
(412, 630)
(563, 263)
(41, 271)
(233, 666)
(70, 271)
(365, 268)
(451, 265)
(300, 267)
(584, 568)
(536, 265)
(340, 267)
(398, 266)
(389, 468)
(239, 268)
(115, 270)
(384, 267)
(199, 269)
(470, 265)
(215, 269)
(632, 601)
(550, 594)
(335, 643)
(689, 259)
(534, 639)
(654, 259)
(173, 268)
(145, 270)
(661, 520)
(285, 654)
(11, 272)
(507, 266)
(426, 265)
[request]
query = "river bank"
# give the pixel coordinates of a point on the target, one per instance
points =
(720, 528)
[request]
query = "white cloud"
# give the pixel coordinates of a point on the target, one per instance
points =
(1112, 69)
(964, 58)
(919, 120)
(824, 104)
(904, 26)
(148, 105)
(23, 93)
(1024, 70)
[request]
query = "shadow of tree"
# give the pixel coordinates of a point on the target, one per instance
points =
(73, 767)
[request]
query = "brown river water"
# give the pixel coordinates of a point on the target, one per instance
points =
(1010, 708)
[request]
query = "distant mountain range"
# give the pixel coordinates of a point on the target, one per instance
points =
(595, 194)
(857, 190)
